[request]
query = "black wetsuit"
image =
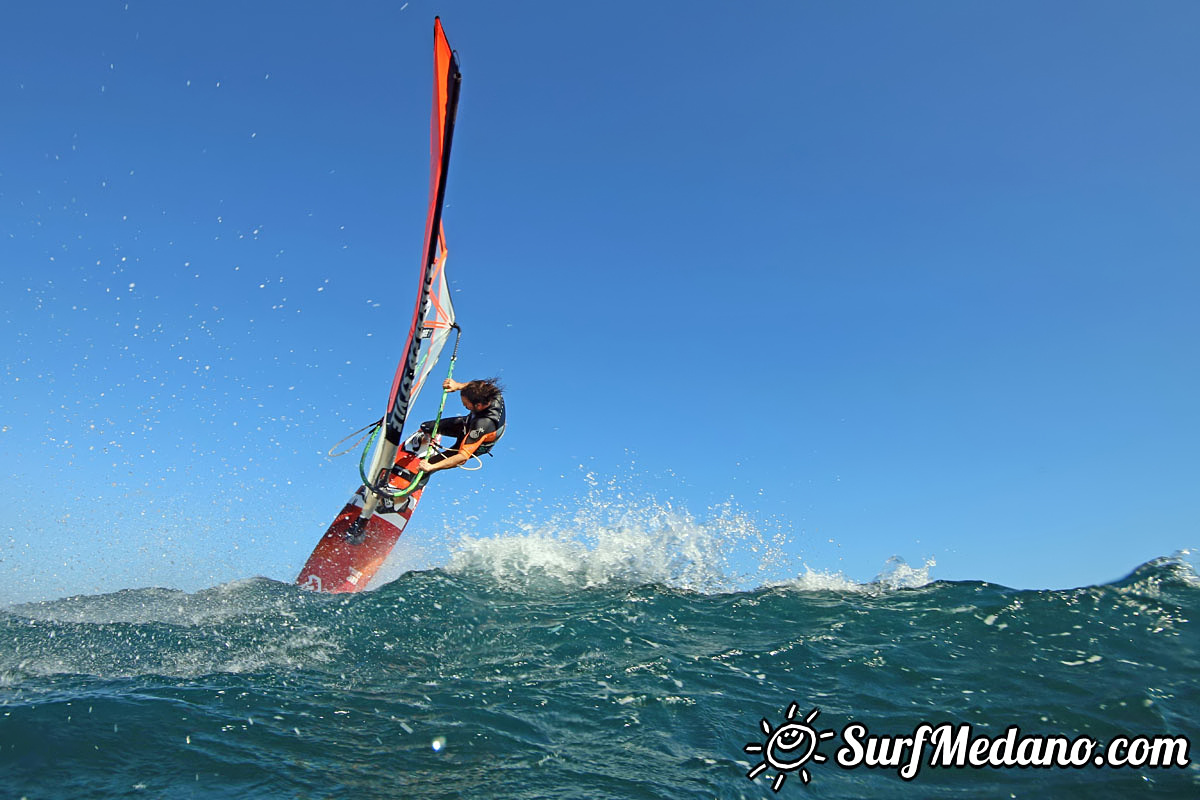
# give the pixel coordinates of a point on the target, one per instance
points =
(475, 434)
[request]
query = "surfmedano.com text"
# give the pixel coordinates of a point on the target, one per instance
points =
(951, 746)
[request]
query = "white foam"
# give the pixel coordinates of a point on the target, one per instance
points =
(896, 574)
(602, 543)
(609, 537)
(1189, 558)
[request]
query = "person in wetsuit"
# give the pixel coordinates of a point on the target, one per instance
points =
(476, 433)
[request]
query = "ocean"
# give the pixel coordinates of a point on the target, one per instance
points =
(505, 675)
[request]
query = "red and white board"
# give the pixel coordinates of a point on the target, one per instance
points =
(339, 565)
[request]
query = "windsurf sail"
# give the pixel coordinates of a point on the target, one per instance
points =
(436, 326)
(433, 315)
(446, 82)
(358, 541)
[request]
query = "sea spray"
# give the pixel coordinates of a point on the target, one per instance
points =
(649, 543)
(615, 531)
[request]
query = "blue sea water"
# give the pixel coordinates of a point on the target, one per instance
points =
(510, 674)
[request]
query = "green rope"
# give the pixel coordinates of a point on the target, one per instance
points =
(362, 462)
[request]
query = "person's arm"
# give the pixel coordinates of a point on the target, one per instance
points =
(464, 448)
(449, 463)
(451, 385)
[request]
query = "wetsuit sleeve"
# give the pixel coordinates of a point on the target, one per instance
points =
(450, 426)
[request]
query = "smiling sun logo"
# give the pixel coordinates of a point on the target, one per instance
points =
(788, 748)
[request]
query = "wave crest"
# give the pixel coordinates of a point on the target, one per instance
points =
(654, 544)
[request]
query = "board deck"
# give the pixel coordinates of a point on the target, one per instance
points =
(338, 565)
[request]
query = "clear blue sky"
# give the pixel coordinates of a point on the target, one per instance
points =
(913, 279)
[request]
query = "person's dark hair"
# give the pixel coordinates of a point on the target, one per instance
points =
(484, 391)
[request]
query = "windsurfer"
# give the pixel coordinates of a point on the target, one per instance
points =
(476, 433)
